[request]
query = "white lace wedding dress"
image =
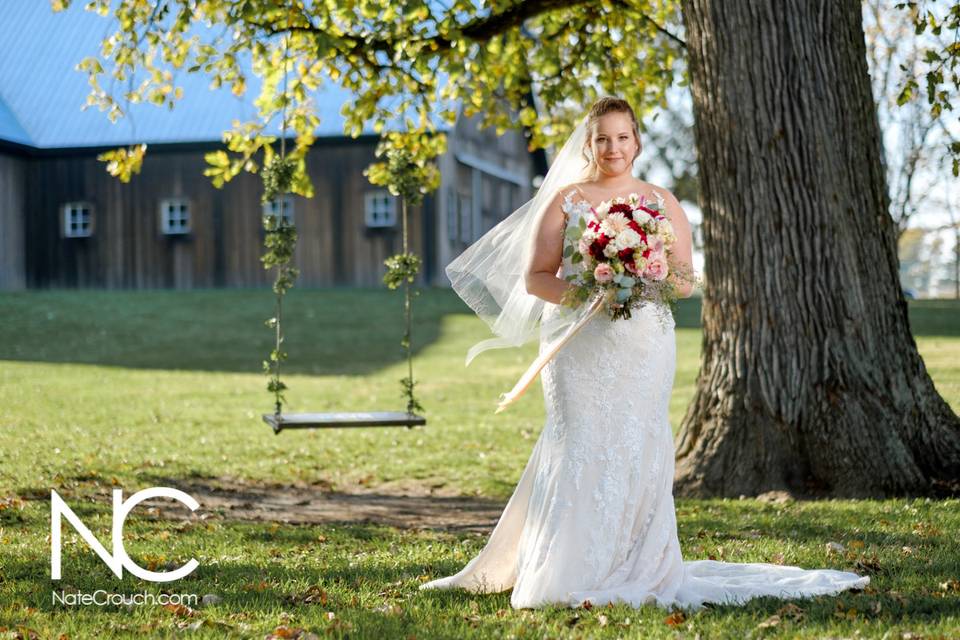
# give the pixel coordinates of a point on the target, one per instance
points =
(592, 517)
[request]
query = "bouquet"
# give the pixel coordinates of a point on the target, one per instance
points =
(623, 245)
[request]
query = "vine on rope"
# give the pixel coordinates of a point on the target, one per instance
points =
(409, 176)
(280, 241)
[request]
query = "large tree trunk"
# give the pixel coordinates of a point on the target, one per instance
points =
(810, 379)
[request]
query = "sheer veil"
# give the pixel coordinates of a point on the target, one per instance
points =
(489, 274)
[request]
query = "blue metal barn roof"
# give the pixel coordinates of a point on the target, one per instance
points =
(41, 94)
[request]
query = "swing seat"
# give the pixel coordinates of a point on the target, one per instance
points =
(342, 419)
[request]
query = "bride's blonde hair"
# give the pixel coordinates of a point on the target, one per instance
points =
(603, 106)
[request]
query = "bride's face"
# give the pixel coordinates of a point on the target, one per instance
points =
(613, 144)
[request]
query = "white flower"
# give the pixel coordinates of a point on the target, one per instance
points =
(602, 210)
(664, 227)
(613, 224)
(627, 239)
(610, 250)
(641, 216)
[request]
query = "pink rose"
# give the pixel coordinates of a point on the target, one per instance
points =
(603, 273)
(584, 248)
(656, 267)
(655, 243)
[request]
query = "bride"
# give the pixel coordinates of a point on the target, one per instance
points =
(592, 517)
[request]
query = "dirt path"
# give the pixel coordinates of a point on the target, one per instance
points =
(409, 507)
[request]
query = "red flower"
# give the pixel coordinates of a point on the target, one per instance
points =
(633, 224)
(625, 254)
(596, 249)
(648, 210)
(622, 208)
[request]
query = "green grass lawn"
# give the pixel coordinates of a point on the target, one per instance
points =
(104, 390)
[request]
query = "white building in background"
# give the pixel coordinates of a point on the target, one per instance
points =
(929, 261)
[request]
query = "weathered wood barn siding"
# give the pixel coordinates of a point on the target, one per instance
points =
(128, 250)
(12, 271)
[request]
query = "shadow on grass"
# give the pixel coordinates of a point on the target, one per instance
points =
(361, 594)
(327, 331)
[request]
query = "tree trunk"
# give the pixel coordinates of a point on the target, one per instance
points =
(810, 380)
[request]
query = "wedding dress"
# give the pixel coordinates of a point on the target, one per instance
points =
(592, 517)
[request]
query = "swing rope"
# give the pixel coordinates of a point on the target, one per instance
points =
(281, 241)
(278, 218)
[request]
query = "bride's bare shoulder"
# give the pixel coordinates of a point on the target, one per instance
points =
(571, 188)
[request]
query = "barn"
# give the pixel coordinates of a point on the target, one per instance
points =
(66, 223)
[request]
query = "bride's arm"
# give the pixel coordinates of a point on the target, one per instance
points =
(541, 276)
(681, 259)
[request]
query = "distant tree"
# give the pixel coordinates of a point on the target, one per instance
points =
(939, 67)
(913, 139)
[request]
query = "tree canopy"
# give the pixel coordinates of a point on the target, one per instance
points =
(409, 66)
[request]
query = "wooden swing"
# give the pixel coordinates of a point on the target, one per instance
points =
(278, 420)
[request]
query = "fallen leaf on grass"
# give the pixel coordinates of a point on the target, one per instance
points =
(180, 610)
(792, 611)
(846, 614)
(474, 620)
(772, 621)
(284, 632)
(674, 619)
(925, 529)
(950, 585)
(389, 610)
(869, 564)
(313, 595)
